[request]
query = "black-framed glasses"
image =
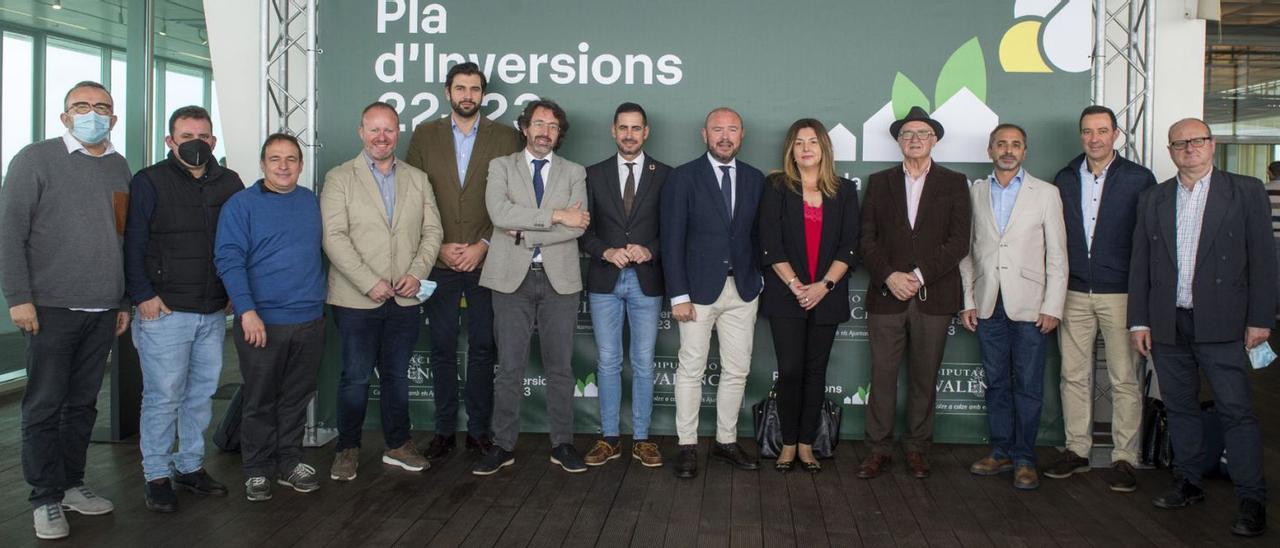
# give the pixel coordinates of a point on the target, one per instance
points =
(82, 107)
(1197, 142)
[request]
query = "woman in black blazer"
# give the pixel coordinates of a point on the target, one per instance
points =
(808, 226)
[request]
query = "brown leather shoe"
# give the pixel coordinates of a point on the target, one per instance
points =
(918, 464)
(602, 452)
(873, 465)
(991, 466)
(647, 453)
(1025, 478)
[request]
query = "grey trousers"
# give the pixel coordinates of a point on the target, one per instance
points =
(514, 317)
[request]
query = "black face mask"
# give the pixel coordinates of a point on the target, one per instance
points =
(195, 152)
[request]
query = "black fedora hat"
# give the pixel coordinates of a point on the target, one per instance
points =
(917, 114)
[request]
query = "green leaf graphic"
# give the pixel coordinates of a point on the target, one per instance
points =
(591, 378)
(906, 95)
(965, 69)
(863, 393)
(581, 387)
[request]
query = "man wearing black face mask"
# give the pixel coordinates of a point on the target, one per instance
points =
(181, 320)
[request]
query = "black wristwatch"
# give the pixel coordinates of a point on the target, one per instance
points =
(829, 284)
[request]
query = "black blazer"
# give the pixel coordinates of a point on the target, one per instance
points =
(1234, 284)
(701, 241)
(611, 228)
(1104, 268)
(781, 227)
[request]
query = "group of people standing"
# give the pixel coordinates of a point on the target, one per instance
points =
(486, 223)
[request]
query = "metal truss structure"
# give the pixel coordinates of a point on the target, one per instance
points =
(288, 83)
(1127, 33)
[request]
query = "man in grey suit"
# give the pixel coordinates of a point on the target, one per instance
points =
(537, 202)
(1202, 291)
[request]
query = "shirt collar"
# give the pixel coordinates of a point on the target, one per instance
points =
(923, 174)
(74, 145)
(454, 124)
(1017, 178)
(1084, 165)
(374, 165)
(623, 163)
(1202, 183)
(528, 158)
(733, 164)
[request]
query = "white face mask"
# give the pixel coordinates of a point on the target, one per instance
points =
(91, 128)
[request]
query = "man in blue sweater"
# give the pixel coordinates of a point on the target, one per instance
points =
(268, 256)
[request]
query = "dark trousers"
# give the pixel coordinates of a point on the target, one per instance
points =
(279, 381)
(443, 310)
(1013, 362)
(803, 349)
(535, 302)
(65, 364)
(379, 338)
(889, 336)
(1226, 365)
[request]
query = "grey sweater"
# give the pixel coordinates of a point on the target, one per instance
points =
(61, 226)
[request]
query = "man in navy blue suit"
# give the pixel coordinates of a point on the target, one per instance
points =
(710, 256)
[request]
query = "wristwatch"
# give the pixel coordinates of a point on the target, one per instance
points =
(829, 284)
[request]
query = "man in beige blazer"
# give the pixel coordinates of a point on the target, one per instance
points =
(1015, 283)
(538, 203)
(381, 233)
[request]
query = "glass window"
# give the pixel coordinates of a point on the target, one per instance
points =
(218, 151)
(119, 92)
(183, 86)
(16, 96)
(69, 63)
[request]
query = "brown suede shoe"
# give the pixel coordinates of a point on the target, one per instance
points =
(407, 457)
(873, 465)
(602, 452)
(991, 466)
(647, 453)
(1025, 478)
(344, 464)
(918, 464)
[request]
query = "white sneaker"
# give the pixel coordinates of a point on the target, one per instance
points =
(81, 499)
(50, 522)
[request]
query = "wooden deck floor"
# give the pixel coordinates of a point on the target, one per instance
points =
(623, 503)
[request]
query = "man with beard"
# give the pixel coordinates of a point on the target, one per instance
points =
(455, 153)
(624, 280)
(1015, 281)
(538, 204)
(181, 321)
(381, 233)
(915, 231)
(711, 258)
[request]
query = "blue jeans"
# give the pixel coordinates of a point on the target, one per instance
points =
(1013, 360)
(181, 356)
(379, 338)
(607, 313)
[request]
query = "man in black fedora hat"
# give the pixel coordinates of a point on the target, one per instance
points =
(915, 231)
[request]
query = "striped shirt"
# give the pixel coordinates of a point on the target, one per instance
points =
(1190, 218)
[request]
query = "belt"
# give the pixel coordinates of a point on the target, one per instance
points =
(535, 266)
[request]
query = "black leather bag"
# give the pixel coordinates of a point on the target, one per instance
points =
(1157, 450)
(769, 428)
(227, 436)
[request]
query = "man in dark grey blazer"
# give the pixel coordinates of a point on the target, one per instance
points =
(537, 202)
(1201, 291)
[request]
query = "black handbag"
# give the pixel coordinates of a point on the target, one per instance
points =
(227, 435)
(1157, 450)
(769, 428)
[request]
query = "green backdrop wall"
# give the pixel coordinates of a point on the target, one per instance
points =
(854, 65)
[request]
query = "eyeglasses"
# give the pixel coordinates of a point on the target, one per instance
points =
(539, 124)
(84, 108)
(1198, 142)
(909, 135)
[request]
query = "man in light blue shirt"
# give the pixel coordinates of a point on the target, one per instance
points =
(1003, 197)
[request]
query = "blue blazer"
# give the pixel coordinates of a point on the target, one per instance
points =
(1106, 270)
(701, 242)
(1234, 284)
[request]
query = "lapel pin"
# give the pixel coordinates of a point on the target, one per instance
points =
(653, 167)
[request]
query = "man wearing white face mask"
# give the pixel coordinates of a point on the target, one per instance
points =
(181, 321)
(62, 209)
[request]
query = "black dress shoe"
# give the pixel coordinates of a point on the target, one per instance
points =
(566, 455)
(160, 496)
(201, 483)
(1180, 493)
(687, 462)
(1251, 521)
(439, 447)
(732, 454)
(481, 444)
